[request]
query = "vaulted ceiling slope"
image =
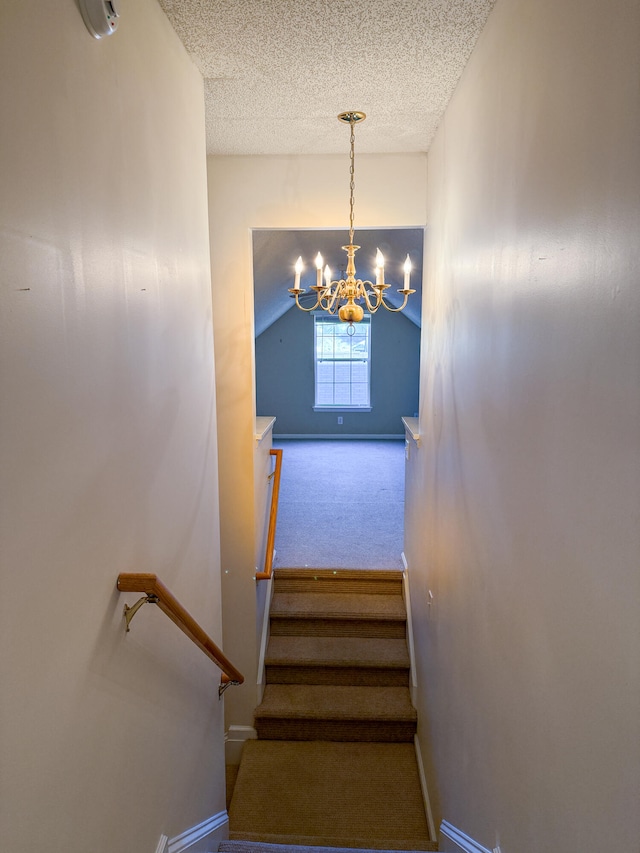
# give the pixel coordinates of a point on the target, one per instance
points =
(277, 72)
(275, 251)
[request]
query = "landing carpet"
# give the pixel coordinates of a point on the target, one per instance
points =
(341, 504)
(314, 793)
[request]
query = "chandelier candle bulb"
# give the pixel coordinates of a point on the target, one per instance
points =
(319, 263)
(407, 273)
(298, 268)
(327, 277)
(379, 267)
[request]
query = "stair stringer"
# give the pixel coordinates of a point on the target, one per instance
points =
(264, 639)
(414, 689)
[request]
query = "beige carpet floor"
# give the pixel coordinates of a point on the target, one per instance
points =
(371, 791)
(325, 480)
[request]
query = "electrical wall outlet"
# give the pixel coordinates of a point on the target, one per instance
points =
(339, 419)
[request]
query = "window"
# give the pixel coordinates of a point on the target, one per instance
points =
(342, 363)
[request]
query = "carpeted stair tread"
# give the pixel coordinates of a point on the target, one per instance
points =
(337, 652)
(330, 605)
(336, 713)
(284, 572)
(296, 843)
(374, 581)
(335, 702)
(264, 847)
(352, 795)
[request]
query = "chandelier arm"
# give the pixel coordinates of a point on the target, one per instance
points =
(334, 295)
(390, 307)
(323, 300)
(332, 307)
(372, 307)
(301, 307)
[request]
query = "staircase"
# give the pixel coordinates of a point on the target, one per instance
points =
(334, 764)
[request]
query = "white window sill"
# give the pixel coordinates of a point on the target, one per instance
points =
(343, 408)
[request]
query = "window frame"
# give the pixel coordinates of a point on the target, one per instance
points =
(319, 318)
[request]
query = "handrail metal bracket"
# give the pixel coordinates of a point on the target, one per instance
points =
(155, 592)
(223, 686)
(130, 612)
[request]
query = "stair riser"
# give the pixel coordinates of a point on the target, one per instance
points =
(335, 730)
(357, 676)
(301, 627)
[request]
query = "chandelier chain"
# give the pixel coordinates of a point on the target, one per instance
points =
(352, 182)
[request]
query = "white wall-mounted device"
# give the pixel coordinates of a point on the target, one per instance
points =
(100, 16)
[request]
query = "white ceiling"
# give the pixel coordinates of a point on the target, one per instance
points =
(278, 72)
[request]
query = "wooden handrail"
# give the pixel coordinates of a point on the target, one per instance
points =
(273, 517)
(157, 593)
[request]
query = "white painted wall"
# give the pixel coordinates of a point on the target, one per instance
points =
(525, 493)
(274, 192)
(107, 435)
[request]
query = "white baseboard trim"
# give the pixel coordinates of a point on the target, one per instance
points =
(234, 740)
(464, 843)
(339, 436)
(212, 831)
(425, 790)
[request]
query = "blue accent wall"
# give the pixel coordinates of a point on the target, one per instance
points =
(285, 377)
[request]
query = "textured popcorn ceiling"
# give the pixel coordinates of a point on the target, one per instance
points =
(277, 72)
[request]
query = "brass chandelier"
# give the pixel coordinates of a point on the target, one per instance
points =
(344, 295)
